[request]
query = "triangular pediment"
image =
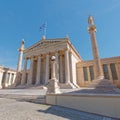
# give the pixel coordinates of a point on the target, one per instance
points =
(45, 43)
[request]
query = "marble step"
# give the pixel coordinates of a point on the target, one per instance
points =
(103, 86)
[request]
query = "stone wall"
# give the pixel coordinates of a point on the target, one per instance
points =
(107, 105)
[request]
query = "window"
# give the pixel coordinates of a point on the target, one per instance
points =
(85, 73)
(113, 70)
(105, 71)
(91, 72)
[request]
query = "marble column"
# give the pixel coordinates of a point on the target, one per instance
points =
(14, 79)
(12, 76)
(71, 68)
(67, 67)
(1, 76)
(23, 81)
(97, 61)
(52, 86)
(21, 49)
(88, 71)
(31, 71)
(38, 70)
(47, 69)
(5, 79)
(57, 66)
(117, 70)
(61, 70)
(9, 81)
(109, 72)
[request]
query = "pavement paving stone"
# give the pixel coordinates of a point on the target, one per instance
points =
(12, 109)
(19, 104)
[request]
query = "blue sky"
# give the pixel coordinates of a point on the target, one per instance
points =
(22, 18)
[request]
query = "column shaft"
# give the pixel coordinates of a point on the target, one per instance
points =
(31, 72)
(89, 79)
(109, 72)
(47, 69)
(67, 67)
(57, 65)
(53, 72)
(1, 76)
(117, 70)
(19, 67)
(5, 79)
(61, 70)
(9, 81)
(71, 69)
(38, 71)
(97, 61)
(23, 81)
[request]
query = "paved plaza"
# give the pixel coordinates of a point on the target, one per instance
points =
(15, 104)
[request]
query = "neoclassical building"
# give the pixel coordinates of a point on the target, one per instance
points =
(7, 77)
(71, 70)
(39, 55)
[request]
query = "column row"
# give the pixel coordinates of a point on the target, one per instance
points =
(7, 79)
(111, 72)
(39, 69)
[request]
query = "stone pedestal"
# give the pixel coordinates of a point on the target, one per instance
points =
(99, 85)
(53, 86)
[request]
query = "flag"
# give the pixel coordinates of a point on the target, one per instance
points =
(43, 26)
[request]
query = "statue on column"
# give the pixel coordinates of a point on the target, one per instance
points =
(19, 65)
(100, 84)
(53, 82)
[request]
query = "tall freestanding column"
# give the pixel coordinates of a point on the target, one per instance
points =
(97, 61)
(52, 86)
(19, 66)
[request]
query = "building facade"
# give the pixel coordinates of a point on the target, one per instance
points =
(86, 72)
(7, 77)
(39, 55)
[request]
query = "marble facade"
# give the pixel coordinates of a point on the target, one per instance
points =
(7, 77)
(39, 55)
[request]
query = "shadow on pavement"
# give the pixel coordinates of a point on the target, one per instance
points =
(71, 114)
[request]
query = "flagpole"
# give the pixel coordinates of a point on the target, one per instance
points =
(45, 29)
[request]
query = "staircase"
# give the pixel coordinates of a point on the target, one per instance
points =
(103, 86)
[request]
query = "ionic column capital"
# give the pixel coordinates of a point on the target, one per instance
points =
(66, 49)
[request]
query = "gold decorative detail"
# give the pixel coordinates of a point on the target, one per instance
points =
(92, 28)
